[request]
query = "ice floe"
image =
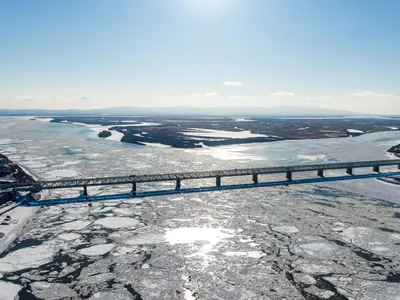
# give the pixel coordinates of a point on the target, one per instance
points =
(354, 131)
(372, 240)
(75, 225)
(8, 290)
(30, 257)
(117, 222)
(54, 291)
(285, 229)
(319, 250)
(97, 250)
(69, 236)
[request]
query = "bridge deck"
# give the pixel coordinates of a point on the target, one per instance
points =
(70, 183)
(29, 201)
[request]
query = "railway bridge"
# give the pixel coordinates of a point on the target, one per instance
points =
(134, 180)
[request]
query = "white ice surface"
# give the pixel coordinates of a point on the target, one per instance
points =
(285, 229)
(251, 254)
(117, 222)
(30, 257)
(158, 145)
(146, 239)
(115, 136)
(75, 225)
(11, 231)
(355, 131)
(207, 237)
(69, 236)
(97, 250)
(8, 290)
(317, 157)
(62, 173)
(221, 133)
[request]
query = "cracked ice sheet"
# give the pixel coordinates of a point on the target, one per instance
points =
(375, 241)
(25, 258)
(366, 290)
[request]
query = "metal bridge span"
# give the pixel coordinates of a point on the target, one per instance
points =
(178, 177)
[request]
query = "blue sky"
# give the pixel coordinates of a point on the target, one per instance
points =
(340, 54)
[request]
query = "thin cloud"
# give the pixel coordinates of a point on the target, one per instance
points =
(211, 94)
(238, 97)
(233, 83)
(282, 94)
(373, 94)
(84, 98)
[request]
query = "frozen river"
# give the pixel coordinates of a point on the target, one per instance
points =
(333, 241)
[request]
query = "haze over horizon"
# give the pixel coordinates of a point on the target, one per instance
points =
(340, 55)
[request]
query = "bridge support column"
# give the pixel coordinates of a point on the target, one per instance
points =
(320, 173)
(255, 178)
(178, 185)
(376, 169)
(349, 170)
(289, 175)
(133, 192)
(85, 193)
(218, 180)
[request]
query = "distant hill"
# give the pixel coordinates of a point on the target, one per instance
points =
(184, 110)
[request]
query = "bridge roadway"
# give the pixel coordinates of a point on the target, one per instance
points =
(28, 200)
(254, 172)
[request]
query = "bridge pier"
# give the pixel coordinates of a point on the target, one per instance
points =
(255, 178)
(133, 192)
(320, 173)
(289, 175)
(85, 193)
(218, 180)
(349, 170)
(178, 185)
(376, 169)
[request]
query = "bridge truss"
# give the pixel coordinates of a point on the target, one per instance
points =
(218, 174)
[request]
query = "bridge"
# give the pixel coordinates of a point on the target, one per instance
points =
(133, 180)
